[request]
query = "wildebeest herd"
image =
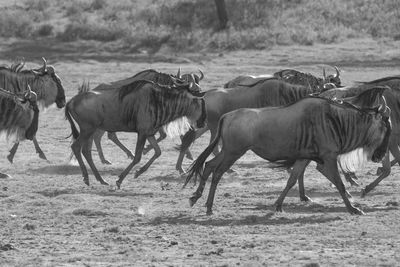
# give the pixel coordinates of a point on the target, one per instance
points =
(289, 118)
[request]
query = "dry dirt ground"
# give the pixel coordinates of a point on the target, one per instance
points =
(48, 217)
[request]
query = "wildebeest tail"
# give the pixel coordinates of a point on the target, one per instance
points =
(196, 169)
(75, 132)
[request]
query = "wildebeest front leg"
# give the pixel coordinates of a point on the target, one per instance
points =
(13, 150)
(298, 170)
(351, 178)
(162, 136)
(113, 137)
(385, 172)
(38, 149)
(330, 170)
(141, 140)
(157, 153)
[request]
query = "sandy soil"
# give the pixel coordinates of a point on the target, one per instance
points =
(50, 218)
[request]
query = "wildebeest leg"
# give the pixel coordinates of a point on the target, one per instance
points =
(208, 169)
(13, 150)
(98, 134)
(76, 148)
(157, 153)
(394, 149)
(38, 149)
(385, 172)
(162, 136)
(140, 142)
(226, 163)
(330, 170)
(87, 153)
(351, 177)
(320, 169)
(302, 164)
(113, 137)
(188, 139)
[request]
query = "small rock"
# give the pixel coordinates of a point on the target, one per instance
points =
(363, 233)
(173, 243)
(214, 242)
(227, 195)
(392, 203)
(6, 247)
(189, 255)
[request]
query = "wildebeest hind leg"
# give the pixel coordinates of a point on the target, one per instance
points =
(87, 153)
(113, 137)
(13, 150)
(300, 179)
(98, 134)
(141, 140)
(227, 162)
(38, 149)
(330, 170)
(157, 153)
(208, 169)
(76, 149)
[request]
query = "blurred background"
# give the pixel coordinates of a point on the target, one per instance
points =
(173, 26)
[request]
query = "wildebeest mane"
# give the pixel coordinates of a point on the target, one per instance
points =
(12, 117)
(163, 103)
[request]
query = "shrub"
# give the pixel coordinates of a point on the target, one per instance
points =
(44, 30)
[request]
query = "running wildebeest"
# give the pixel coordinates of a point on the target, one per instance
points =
(151, 75)
(313, 128)
(268, 92)
(19, 115)
(291, 76)
(141, 106)
(43, 81)
(393, 102)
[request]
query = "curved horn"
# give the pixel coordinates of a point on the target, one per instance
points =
(201, 75)
(324, 74)
(337, 72)
(20, 66)
(382, 107)
(43, 69)
(179, 73)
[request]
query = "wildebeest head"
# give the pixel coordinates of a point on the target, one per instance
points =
(333, 78)
(197, 112)
(381, 129)
(51, 85)
(192, 78)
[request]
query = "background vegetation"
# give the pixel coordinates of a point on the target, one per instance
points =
(183, 25)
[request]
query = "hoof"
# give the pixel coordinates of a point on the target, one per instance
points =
(42, 156)
(209, 213)
(192, 201)
(363, 192)
(356, 211)
(131, 156)
(379, 171)
(103, 182)
(118, 184)
(106, 162)
(86, 181)
(306, 199)
(10, 158)
(189, 156)
(278, 209)
(354, 183)
(4, 176)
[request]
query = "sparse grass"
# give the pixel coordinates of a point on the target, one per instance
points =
(191, 25)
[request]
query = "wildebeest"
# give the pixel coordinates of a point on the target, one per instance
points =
(141, 106)
(290, 76)
(19, 115)
(393, 102)
(313, 128)
(269, 92)
(151, 75)
(43, 81)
